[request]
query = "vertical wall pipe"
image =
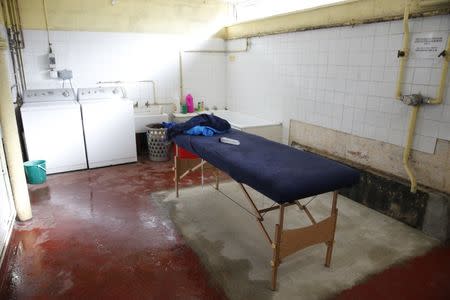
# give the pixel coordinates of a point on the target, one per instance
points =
(404, 53)
(408, 146)
(11, 142)
(440, 95)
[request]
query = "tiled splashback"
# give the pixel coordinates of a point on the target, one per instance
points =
(342, 78)
(103, 56)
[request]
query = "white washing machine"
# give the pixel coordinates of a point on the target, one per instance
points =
(53, 129)
(108, 122)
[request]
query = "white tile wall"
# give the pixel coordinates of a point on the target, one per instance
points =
(205, 78)
(102, 56)
(342, 78)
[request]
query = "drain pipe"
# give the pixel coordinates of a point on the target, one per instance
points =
(408, 146)
(12, 143)
(404, 53)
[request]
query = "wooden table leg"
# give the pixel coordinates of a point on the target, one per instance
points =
(216, 173)
(276, 248)
(331, 242)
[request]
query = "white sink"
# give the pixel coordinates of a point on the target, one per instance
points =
(143, 118)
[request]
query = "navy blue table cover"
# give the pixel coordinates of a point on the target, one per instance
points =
(280, 172)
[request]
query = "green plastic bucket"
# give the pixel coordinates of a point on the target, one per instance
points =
(35, 171)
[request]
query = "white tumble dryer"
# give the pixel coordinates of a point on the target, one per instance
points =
(53, 129)
(108, 122)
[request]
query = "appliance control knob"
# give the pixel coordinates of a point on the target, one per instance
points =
(65, 94)
(115, 91)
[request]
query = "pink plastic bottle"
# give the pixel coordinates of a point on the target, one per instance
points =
(190, 103)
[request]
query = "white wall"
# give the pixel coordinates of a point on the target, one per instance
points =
(7, 210)
(102, 56)
(341, 78)
(205, 77)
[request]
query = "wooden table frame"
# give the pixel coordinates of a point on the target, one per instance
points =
(285, 241)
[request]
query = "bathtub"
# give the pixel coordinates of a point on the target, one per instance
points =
(268, 129)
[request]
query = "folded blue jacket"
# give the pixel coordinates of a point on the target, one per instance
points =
(205, 120)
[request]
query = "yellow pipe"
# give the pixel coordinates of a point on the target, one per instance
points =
(415, 109)
(398, 94)
(405, 49)
(408, 145)
(12, 144)
(440, 95)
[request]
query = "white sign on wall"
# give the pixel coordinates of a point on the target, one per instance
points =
(428, 45)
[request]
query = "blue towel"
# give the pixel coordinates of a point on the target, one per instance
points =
(202, 130)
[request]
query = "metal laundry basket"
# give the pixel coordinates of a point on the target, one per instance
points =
(158, 145)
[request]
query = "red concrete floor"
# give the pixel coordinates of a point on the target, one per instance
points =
(424, 277)
(97, 235)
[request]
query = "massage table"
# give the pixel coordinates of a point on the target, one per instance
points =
(282, 173)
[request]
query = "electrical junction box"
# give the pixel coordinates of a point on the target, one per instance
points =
(51, 60)
(65, 74)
